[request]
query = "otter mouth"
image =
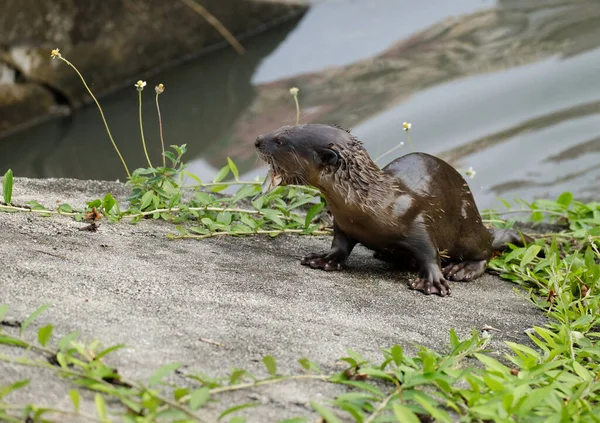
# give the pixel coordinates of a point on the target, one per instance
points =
(274, 176)
(272, 180)
(278, 176)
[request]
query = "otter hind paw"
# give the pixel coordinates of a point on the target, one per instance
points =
(465, 271)
(428, 286)
(325, 261)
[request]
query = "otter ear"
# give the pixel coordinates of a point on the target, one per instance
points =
(328, 157)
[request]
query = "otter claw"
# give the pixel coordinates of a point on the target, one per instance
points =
(464, 271)
(429, 287)
(321, 261)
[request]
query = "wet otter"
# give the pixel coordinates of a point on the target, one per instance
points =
(416, 207)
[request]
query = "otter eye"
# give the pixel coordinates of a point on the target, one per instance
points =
(278, 142)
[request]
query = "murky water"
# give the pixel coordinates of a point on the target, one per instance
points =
(510, 88)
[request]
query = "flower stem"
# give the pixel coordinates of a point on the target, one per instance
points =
(297, 109)
(142, 130)
(162, 142)
(101, 113)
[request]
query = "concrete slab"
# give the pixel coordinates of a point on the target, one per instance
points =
(130, 284)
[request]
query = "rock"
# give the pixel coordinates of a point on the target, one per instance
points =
(112, 42)
(18, 100)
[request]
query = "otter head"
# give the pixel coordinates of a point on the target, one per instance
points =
(302, 154)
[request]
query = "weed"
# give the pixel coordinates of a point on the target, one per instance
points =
(556, 381)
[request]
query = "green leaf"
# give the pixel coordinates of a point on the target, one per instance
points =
(273, 216)
(5, 390)
(225, 218)
(3, 311)
(35, 205)
(397, 354)
(194, 177)
(537, 216)
(312, 213)
(100, 406)
(531, 252)
(404, 414)
(65, 341)
(270, 364)
(534, 398)
(65, 208)
(237, 408)
(162, 372)
(325, 413)
(454, 341)
(75, 398)
(7, 186)
(44, 334)
(109, 350)
(581, 371)
(436, 413)
(108, 203)
(9, 340)
(218, 188)
(565, 199)
(492, 363)
(95, 203)
(33, 316)
(234, 169)
(199, 397)
(223, 172)
(309, 365)
(146, 199)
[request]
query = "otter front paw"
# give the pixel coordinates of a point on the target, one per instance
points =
(325, 261)
(465, 271)
(428, 286)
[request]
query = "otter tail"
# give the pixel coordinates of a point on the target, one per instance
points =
(502, 237)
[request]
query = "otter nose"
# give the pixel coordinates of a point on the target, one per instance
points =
(259, 141)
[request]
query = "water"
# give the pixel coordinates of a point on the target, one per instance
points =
(510, 88)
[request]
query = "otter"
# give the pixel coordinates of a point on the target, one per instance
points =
(417, 207)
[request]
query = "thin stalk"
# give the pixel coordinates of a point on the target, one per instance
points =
(215, 23)
(169, 402)
(259, 232)
(52, 410)
(391, 150)
(160, 129)
(410, 146)
(80, 374)
(381, 407)
(25, 209)
(101, 113)
(216, 209)
(248, 385)
(142, 130)
(501, 213)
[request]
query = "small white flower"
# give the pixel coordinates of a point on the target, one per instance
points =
(406, 126)
(470, 172)
(140, 85)
(55, 53)
(160, 88)
(294, 91)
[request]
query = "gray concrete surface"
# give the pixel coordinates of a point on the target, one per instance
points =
(130, 284)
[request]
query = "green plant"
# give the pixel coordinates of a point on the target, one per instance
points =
(7, 186)
(57, 55)
(554, 379)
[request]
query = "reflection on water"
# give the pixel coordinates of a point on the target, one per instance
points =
(510, 88)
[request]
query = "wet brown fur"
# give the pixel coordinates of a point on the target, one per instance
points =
(415, 207)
